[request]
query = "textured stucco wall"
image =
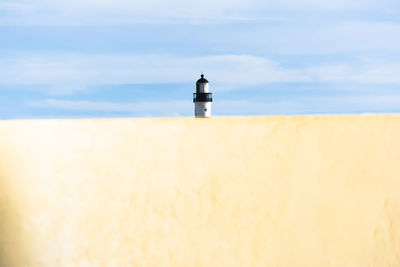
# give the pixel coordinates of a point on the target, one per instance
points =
(254, 191)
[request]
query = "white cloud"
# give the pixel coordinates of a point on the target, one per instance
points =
(78, 12)
(369, 72)
(317, 37)
(225, 70)
(354, 36)
(74, 72)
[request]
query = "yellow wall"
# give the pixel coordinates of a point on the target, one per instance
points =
(252, 191)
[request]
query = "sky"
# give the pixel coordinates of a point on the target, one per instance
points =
(120, 58)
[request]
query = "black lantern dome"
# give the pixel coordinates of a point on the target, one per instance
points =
(201, 80)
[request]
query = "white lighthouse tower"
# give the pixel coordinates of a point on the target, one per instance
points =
(202, 99)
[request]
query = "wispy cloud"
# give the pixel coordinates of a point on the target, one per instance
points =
(225, 71)
(104, 12)
(369, 72)
(290, 106)
(160, 108)
(123, 69)
(332, 37)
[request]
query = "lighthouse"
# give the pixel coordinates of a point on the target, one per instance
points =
(202, 99)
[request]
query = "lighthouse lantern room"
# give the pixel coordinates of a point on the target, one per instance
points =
(202, 99)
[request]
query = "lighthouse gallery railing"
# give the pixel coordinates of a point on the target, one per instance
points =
(202, 97)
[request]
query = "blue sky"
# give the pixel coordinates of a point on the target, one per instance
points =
(102, 58)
